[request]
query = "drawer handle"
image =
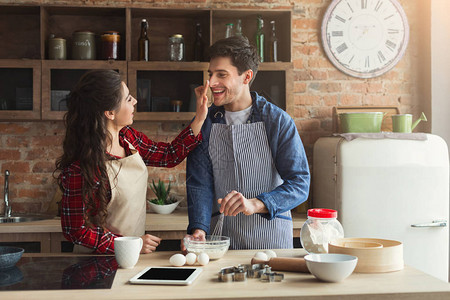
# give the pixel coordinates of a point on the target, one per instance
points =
(435, 223)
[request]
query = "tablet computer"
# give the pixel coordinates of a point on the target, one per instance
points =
(166, 275)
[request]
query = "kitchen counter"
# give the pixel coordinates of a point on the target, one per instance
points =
(48, 232)
(408, 283)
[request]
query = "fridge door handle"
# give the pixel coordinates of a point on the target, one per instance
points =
(435, 223)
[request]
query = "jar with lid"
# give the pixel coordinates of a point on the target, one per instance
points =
(320, 228)
(83, 46)
(110, 45)
(56, 48)
(176, 48)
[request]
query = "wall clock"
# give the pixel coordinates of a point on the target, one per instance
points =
(365, 38)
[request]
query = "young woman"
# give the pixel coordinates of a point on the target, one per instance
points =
(103, 168)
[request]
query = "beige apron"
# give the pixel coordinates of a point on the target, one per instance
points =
(128, 178)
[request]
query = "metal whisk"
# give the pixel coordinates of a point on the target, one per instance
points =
(218, 228)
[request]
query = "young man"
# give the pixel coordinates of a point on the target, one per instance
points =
(251, 165)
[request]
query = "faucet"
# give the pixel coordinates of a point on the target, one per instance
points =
(6, 190)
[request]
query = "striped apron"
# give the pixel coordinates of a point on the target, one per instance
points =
(242, 161)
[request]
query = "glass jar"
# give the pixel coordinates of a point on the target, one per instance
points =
(320, 228)
(110, 45)
(229, 30)
(176, 47)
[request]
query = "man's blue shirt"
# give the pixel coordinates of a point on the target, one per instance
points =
(287, 152)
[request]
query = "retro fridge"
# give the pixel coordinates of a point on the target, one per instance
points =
(390, 189)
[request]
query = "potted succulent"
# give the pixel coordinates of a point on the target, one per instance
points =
(163, 203)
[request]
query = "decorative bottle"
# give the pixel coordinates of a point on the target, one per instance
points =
(273, 47)
(144, 42)
(198, 44)
(238, 31)
(260, 37)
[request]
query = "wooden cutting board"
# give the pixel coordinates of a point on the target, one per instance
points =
(387, 121)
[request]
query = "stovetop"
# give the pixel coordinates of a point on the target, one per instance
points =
(58, 273)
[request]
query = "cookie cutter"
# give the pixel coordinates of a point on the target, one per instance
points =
(272, 277)
(243, 271)
(240, 275)
(226, 274)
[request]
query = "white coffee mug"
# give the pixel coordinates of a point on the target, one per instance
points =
(127, 249)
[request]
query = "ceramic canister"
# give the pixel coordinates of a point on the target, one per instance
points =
(57, 48)
(83, 45)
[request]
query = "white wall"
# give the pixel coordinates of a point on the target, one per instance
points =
(440, 69)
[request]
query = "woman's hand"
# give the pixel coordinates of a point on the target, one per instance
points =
(150, 242)
(202, 108)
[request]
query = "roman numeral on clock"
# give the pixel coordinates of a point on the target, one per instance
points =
(363, 4)
(381, 57)
(391, 45)
(341, 48)
(337, 33)
(377, 7)
(393, 31)
(350, 7)
(340, 18)
(367, 63)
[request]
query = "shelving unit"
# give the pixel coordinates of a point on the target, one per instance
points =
(24, 57)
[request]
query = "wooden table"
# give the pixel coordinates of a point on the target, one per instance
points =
(48, 232)
(408, 284)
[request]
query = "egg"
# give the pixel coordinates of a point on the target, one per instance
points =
(177, 260)
(191, 258)
(261, 255)
(270, 254)
(203, 259)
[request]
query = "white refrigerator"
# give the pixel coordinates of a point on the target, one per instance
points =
(390, 189)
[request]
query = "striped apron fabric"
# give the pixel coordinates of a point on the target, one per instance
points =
(242, 161)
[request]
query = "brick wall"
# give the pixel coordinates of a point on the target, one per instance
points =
(29, 149)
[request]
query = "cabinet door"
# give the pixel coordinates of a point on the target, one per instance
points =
(20, 89)
(59, 78)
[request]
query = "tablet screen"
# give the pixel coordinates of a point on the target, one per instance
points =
(167, 274)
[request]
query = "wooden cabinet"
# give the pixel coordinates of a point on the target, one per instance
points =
(33, 87)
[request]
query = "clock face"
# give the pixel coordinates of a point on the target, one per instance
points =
(365, 38)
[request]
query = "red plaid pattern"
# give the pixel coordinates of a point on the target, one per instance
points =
(156, 154)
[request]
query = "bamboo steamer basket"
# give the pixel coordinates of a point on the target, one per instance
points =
(374, 255)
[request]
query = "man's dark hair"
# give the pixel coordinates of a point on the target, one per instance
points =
(243, 55)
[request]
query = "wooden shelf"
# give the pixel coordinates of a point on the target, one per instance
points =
(165, 80)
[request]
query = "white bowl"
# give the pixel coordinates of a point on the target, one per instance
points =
(163, 209)
(331, 267)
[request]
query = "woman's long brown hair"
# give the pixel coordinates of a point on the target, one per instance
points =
(87, 136)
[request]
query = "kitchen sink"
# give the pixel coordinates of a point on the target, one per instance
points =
(24, 218)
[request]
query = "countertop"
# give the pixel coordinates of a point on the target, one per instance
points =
(174, 224)
(408, 283)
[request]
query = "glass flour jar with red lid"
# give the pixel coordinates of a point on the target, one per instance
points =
(320, 228)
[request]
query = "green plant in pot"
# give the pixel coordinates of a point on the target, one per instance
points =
(163, 203)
